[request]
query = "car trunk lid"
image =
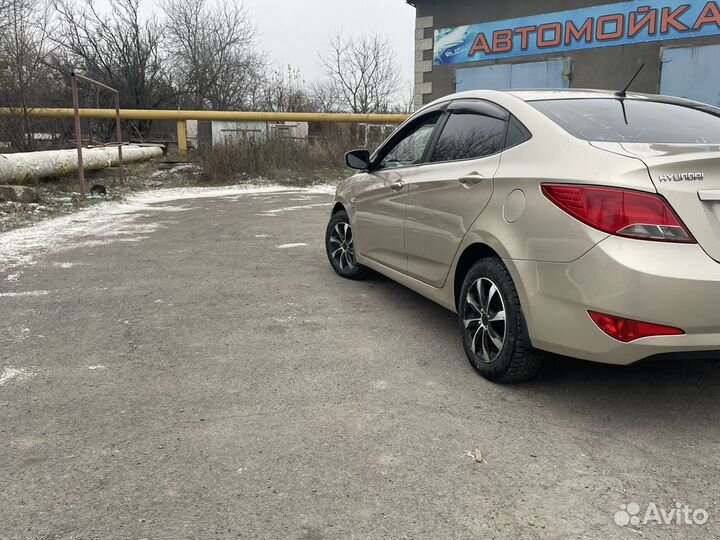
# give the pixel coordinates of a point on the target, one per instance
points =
(688, 176)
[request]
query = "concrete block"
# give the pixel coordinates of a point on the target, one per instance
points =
(424, 66)
(423, 88)
(424, 22)
(424, 44)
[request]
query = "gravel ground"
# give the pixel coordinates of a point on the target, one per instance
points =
(192, 368)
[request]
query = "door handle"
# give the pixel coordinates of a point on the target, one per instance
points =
(397, 186)
(471, 179)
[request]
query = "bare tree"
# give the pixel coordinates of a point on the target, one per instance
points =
(210, 47)
(364, 72)
(406, 102)
(325, 96)
(23, 71)
(4, 14)
(284, 90)
(237, 85)
(119, 49)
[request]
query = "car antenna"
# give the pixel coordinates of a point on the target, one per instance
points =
(623, 92)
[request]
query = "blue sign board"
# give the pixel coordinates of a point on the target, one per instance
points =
(622, 23)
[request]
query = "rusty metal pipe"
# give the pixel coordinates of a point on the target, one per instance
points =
(78, 133)
(74, 76)
(92, 81)
(118, 129)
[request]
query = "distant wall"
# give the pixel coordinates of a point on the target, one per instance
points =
(604, 68)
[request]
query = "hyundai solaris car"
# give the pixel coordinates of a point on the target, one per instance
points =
(581, 223)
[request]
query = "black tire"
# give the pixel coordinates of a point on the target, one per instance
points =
(340, 247)
(497, 345)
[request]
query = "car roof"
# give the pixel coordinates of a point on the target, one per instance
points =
(575, 93)
(530, 95)
(537, 94)
(534, 94)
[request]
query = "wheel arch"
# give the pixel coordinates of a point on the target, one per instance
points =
(472, 254)
(478, 251)
(339, 207)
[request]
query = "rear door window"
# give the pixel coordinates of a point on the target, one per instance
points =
(468, 135)
(516, 134)
(632, 120)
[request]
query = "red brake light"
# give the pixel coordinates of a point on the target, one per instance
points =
(627, 330)
(622, 212)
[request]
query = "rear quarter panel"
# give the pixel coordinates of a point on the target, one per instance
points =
(520, 220)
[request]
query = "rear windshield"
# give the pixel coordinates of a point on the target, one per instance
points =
(605, 120)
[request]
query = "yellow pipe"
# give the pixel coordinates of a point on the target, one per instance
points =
(228, 116)
(182, 136)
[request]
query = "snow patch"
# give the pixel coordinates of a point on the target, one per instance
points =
(24, 293)
(324, 189)
(9, 373)
(21, 245)
(287, 246)
(293, 208)
(15, 334)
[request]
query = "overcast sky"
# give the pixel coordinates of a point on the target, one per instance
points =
(293, 32)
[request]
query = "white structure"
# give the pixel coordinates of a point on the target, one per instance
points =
(226, 131)
(374, 133)
(192, 133)
(289, 130)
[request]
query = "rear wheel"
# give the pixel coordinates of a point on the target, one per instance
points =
(495, 336)
(340, 247)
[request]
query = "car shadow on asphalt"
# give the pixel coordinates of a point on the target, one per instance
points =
(677, 399)
(685, 382)
(693, 377)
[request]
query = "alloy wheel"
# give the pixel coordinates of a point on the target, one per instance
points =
(484, 320)
(342, 246)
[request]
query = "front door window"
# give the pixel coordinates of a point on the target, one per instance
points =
(411, 149)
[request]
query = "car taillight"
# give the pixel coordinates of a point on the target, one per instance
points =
(627, 330)
(622, 212)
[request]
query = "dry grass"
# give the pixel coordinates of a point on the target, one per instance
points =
(277, 159)
(273, 161)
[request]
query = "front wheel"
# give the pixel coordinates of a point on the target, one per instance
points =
(494, 332)
(340, 247)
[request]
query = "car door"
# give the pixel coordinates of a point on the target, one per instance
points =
(448, 192)
(380, 204)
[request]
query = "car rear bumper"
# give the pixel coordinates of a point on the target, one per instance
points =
(669, 284)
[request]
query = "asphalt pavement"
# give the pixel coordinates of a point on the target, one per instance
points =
(195, 369)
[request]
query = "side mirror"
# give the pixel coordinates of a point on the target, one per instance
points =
(358, 159)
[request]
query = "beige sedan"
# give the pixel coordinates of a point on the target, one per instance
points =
(583, 223)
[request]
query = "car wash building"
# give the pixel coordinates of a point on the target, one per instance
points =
(502, 44)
